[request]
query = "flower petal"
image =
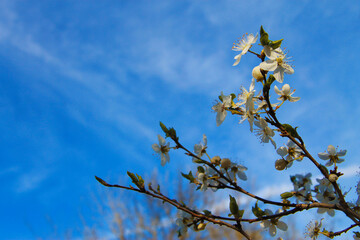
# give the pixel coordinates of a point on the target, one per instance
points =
(237, 58)
(331, 150)
(324, 156)
(268, 65)
(282, 151)
(156, 147)
(281, 225)
(272, 230)
(341, 153)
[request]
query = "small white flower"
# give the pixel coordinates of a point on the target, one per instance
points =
(285, 93)
(206, 179)
(182, 221)
(278, 63)
(291, 152)
(248, 114)
(332, 156)
(200, 149)
(247, 97)
(243, 45)
(220, 108)
(264, 132)
(237, 170)
(313, 229)
(163, 149)
(326, 194)
(273, 223)
(302, 186)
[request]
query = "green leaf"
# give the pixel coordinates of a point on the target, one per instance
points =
(189, 176)
(241, 213)
(264, 37)
(357, 234)
(199, 161)
(133, 177)
(233, 96)
(201, 169)
(137, 180)
(101, 181)
(163, 127)
(286, 195)
(324, 168)
(141, 181)
(220, 98)
(275, 44)
(257, 211)
(234, 208)
(207, 213)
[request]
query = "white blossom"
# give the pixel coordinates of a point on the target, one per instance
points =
(291, 152)
(162, 149)
(278, 63)
(182, 221)
(285, 93)
(273, 223)
(206, 179)
(302, 186)
(220, 108)
(264, 132)
(313, 229)
(200, 149)
(248, 114)
(243, 45)
(247, 96)
(332, 155)
(237, 170)
(326, 194)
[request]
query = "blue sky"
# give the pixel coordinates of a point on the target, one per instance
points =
(85, 83)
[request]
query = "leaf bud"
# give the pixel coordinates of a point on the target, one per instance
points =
(286, 195)
(201, 226)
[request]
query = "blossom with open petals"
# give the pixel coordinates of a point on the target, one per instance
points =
(237, 171)
(273, 223)
(200, 149)
(291, 152)
(313, 229)
(285, 93)
(243, 45)
(264, 132)
(220, 108)
(278, 63)
(332, 155)
(163, 149)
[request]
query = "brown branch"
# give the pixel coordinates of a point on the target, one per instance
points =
(158, 195)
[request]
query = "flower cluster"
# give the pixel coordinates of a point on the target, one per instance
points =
(255, 106)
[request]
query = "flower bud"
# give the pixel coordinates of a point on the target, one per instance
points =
(201, 226)
(281, 164)
(333, 177)
(256, 73)
(225, 163)
(216, 160)
(201, 176)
